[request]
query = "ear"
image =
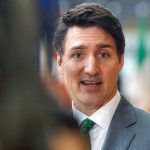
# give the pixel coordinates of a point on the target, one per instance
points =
(121, 62)
(59, 63)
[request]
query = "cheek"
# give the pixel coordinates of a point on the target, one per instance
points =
(69, 71)
(71, 78)
(72, 70)
(70, 75)
(111, 73)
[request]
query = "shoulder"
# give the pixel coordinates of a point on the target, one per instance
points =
(142, 115)
(142, 127)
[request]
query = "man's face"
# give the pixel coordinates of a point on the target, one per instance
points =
(90, 67)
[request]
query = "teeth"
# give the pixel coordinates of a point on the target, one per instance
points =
(91, 83)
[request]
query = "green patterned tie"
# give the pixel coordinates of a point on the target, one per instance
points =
(85, 127)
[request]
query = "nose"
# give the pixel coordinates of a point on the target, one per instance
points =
(91, 66)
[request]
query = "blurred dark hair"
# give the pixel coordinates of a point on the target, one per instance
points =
(27, 113)
(88, 15)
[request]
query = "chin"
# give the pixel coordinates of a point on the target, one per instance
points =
(90, 102)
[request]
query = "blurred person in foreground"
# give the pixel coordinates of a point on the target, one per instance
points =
(29, 119)
(90, 54)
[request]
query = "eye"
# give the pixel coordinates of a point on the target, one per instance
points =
(104, 55)
(78, 55)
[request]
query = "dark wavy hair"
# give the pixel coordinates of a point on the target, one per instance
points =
(88, 15)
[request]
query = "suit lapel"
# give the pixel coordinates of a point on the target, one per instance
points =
(119, 136)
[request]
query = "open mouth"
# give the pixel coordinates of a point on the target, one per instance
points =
(91, 83)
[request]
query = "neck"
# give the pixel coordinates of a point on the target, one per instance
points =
(90, 109)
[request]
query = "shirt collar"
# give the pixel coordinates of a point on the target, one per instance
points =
(103, 116)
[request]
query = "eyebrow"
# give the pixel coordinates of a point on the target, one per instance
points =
(77, 47)
(101, 45)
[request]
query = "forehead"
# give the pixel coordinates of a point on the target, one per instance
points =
(87, 36)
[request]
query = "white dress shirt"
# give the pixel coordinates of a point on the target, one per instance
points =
(102, 117)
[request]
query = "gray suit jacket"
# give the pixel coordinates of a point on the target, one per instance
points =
(129, 129)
